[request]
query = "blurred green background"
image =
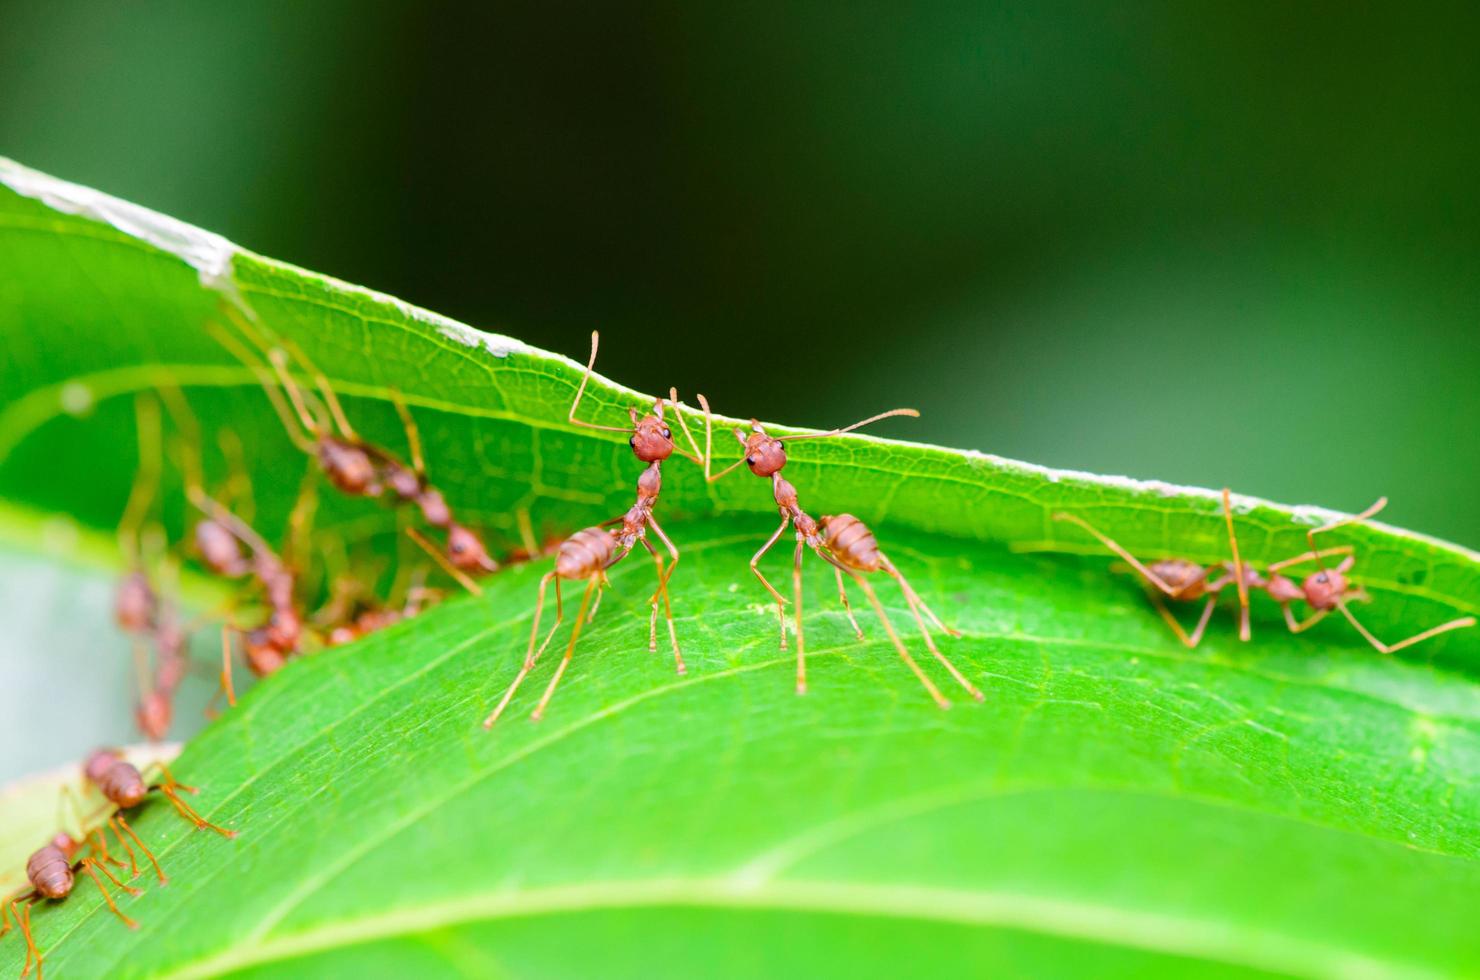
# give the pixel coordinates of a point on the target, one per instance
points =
(1207, 243)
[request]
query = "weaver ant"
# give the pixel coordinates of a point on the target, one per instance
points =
(125, 787)
(51, 872)
(139, 608)
(319, 427)
(1323, 591)
(843, 541)
(588, 553)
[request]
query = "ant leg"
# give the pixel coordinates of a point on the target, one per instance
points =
(432, 550)
(899, 646)
(575, 634)
(914, 597)
(1244, 632)
(188, 812)
(303, 429)
(653, 599)
(146, 478)
(1202, 621)
(413, 434)
(1177, 628)
(1110, 543)
(843, 597)
(1315, 556)
(915, 603)
(119, 823)
(172, 782)
(1305, 624)
(99, 841)
(600, 591)
(23, 919)
(526, 533)
(796, 591)
(226, 684)
(1381, 647)
(755, 561)
(531, 655)
(87, 865)
(667, 603)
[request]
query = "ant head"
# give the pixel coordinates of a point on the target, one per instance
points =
(153, 715)
(652, 440)
(99, 762)
(466, 552)
(1326, 588)
(764, 454)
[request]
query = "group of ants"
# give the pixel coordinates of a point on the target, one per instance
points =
(227, 545)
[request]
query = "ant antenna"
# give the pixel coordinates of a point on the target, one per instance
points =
(678, 414)
(571, 417)
(911, 412)
(1310, 535)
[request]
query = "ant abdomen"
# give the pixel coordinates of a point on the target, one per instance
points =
(1186, 579)
(220, 549)
(134, 606)
(584, 553)
(348, 467)
(851, 542)
(50, 872)
(122, 784)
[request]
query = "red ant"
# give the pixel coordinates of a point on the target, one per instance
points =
(125, 787)
(1323, 591)
(320, 428)
(588, 553)
(139, 608)
(843, 541)
(51, 873)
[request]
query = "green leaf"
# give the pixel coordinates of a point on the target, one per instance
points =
(1118, 805)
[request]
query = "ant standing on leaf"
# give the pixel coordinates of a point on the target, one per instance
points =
(51, 873)
(319, 427)
(125, 787)
(843, 541)
(588, 553)
(1323, 591)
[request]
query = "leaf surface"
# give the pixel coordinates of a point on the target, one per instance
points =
(1294, 805)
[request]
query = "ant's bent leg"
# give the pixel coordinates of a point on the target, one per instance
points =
(755, 561)
(1381, 647)
(1305, 624)
(1171, 620)
(843, 598)
(899, 646)
(575, 634)
(531, 655)
(1202, 622)
(915, 604)
(796, 589)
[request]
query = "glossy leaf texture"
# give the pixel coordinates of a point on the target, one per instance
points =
(1119, 805)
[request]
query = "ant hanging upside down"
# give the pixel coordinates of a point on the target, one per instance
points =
(1324, 591)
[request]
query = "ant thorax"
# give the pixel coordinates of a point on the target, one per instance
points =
(1283, 590)
(1188, 580)
(348, 467)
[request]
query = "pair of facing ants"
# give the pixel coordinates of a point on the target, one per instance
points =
(52, 870)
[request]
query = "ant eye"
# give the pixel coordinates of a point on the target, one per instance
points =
(632, 441)
(752, 460)
(667, 434)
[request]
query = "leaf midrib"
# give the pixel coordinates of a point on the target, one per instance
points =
(1149, 931)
